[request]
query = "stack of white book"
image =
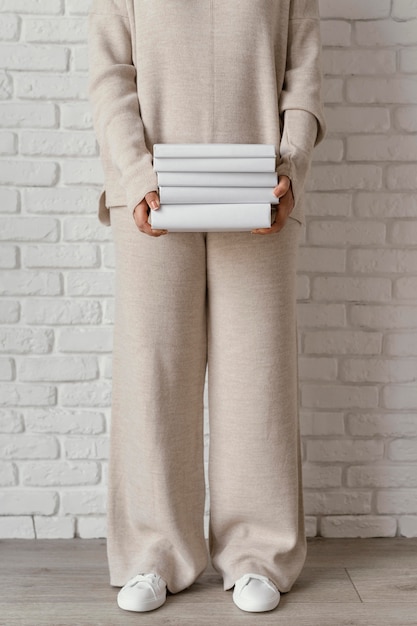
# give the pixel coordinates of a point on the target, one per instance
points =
(215, 186)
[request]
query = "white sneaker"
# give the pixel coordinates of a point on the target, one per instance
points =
(254, 592)
(143, 592)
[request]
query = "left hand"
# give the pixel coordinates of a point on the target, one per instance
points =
(283, 191)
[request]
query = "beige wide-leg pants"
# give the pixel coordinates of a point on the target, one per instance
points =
(185, 301)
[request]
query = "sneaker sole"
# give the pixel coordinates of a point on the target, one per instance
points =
(250, 607)
(150, 605)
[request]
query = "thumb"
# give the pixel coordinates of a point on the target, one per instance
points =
(152, 198)
(283, 186)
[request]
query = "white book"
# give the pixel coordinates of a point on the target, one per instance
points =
(211, 217)
(179, 195)
(217, 179)
(213, 150)
(232, 164)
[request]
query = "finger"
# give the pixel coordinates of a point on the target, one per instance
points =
(152, 198)
(141, 218)
(280, 219)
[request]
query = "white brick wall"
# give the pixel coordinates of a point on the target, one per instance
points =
(357, 280)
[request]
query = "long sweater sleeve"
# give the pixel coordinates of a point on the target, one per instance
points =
(300, 104)
(114, 99)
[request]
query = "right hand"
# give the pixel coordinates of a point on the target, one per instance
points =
(140, 214)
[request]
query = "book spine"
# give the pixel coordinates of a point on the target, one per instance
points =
(211, 217)
(261, 164)
(216, 195)
(217, 179)
(213, 150)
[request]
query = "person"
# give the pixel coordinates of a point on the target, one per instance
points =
(191, 303)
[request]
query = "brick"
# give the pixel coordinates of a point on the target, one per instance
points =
(402, 450)
(48, 7)
(47, 86)
(26, 340)
(57, 368)
(342, 342)
(355, 9)
(353, 62)
(11, 421)
(400, 396)
(6, 369)
(77, 116)
(6, 85)
(406, 118)
(26, 173)
(396, 501)
(85, 394)
(377, 370)
(86, 447)
(407, 526)
(9, 28)
(54, 527)
(381, 424)
(320, 314)
(69, 30)
(385, 260)
(9, 257)
(385, 33)
(345, 232)
(404, 9)
(90, 283)
(382, 475)
(404, 233)
(85, 229)
(348, 288)
(29, 229)
(84, 502)
(320, 476)
(381, 148)
(61, 312)
(330, 150)
(8, 143)
(28, 502)
(315, 368)
(355, 119)
(92, 527)
(16, 527)
(346, 450)
(62, 256)
(86, 340)
(9, 311)
(338, 396)
(328, 204)
(406, 287)
(9, 200)
(383, 316)
(81, 172)
(382, 90)
(401, 177)
(8, 474)
(27, 395)
(64, 421)
(28, 283)
(59, 473)
(61, 200)
(335, 33)
(383, 204)
(408, 60)
(338, 501)
(21, 56)
(58, 143)
(344, 177)
(363, 526)
(401, 344)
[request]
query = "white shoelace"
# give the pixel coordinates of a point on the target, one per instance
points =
(245, 581)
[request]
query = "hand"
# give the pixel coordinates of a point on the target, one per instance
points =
(140, 214)
(283, 191)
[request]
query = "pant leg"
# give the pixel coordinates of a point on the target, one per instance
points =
(156, 488)
(255, 476)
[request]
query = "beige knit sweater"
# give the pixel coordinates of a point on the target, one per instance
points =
(211, 71)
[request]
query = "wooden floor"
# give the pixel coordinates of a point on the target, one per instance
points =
(369, 582)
